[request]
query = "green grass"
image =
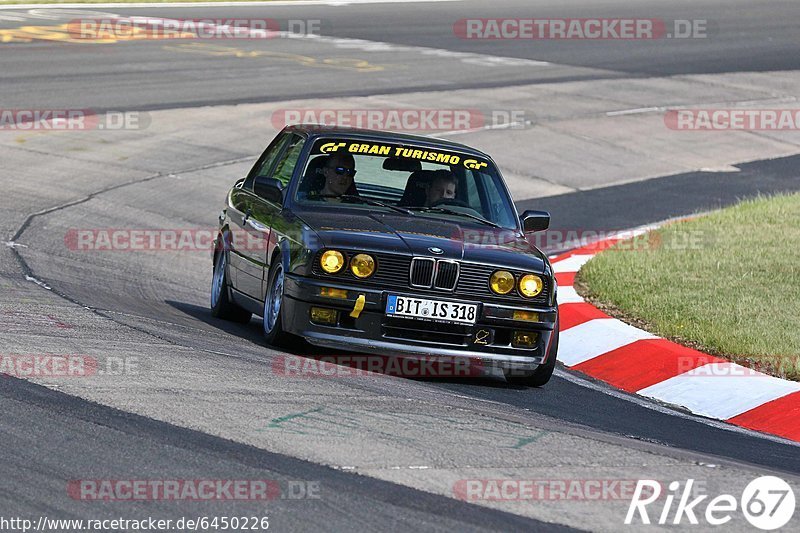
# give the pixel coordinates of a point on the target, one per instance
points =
(727, 283)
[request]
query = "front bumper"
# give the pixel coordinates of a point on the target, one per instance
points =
(488, 342)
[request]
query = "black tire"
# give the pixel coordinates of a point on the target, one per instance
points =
(221, 305)
(543, 373)
(273, 319)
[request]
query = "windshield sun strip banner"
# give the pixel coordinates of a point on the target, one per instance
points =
(400, 151)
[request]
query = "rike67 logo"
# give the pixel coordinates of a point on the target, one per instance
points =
(767, 503)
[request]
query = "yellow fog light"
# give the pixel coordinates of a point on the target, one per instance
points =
(530, 285)
(330, 292)
(528, 316)
(362, 265)
(323, 315)
(524, 339)
(502, 282)
(331, 261)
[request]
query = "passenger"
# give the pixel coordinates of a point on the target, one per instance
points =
(442, 186)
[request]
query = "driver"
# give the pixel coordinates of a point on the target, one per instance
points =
(442, 186)
(339, 171)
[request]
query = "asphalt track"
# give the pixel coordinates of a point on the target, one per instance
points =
(59, 426)
(157, 75)
(156, 306)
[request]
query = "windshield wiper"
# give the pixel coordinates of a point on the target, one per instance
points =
(368, 201)
(447, 211)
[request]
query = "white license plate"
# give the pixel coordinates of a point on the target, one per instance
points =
(402, 306)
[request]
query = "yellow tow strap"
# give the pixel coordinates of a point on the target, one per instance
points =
(359, 306)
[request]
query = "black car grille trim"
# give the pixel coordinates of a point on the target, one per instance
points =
(446, 274)
(421, 272)
(427, 273)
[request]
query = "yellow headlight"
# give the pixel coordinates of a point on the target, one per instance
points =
(530, 285)
(331, 261)
(502, 282)
(362, 265)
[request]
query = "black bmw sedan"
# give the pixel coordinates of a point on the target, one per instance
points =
(387, 244)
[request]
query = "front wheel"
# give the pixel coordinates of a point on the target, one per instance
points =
(273, 306)
(543, 373)
(221, 305)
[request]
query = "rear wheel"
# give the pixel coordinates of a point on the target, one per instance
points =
(543, 373)
(221, 305)
(273, 306)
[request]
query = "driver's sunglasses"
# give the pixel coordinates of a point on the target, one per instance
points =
(344, 170)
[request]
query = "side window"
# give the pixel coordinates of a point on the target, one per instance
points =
(285, 167)
(498, 203)
(266, 160)
(472, 196)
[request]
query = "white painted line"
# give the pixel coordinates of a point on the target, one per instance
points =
(571, 264)
(334, 3)
(38, 282)
(633, 233)
(720, 390)
(510, 125)
(596, 337)
(568, 295)
(723, 168)
(364, 45)
(636, 111)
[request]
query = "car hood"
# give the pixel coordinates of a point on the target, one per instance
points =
(416, 235)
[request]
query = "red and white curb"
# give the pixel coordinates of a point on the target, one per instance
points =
(639, 362)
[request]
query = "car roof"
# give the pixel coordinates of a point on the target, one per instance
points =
(319, 130)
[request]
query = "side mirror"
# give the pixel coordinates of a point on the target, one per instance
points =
(269, 189)
(535, 220)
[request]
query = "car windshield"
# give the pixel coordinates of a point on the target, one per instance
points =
(416, 181)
